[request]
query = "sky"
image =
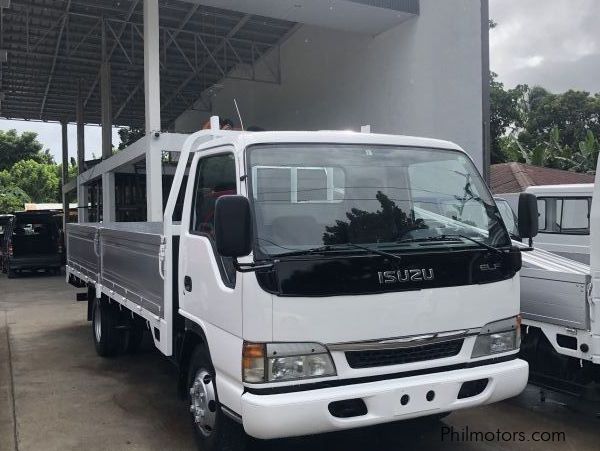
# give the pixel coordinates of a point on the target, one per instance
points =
(552, 43)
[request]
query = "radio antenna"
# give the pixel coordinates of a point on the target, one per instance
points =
(238, 113)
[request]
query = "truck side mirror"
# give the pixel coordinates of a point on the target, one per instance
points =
(233, 226)
(528, 216)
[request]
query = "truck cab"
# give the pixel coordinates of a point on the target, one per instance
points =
(346, 297)
(319, 281)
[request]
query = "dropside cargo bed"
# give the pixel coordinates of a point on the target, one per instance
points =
(122, 257)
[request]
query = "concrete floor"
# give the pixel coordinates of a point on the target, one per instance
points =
(56, 394)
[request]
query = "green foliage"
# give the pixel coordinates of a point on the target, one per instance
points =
(12, 198)
(15, 147)
(506, 114)
(130, 135)
(39, 180)
(537, 127)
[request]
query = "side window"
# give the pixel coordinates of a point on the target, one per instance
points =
(575, 216)
(557, 214)
(541, 214)
(215, 177)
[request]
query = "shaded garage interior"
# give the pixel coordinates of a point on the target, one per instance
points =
(399, 66)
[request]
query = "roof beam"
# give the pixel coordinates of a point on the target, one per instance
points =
(181, 26)
(112, 50)
(217, 49)
(58, 41)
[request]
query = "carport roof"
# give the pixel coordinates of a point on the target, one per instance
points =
(53, 46)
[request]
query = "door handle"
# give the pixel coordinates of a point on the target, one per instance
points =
(187, 283)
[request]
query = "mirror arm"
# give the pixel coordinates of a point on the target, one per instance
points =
(250, 267)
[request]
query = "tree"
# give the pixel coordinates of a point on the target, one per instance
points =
(12, 199)
(40, 181)
(506, 114)
(538, 127)
(129, 135)
(15, 147)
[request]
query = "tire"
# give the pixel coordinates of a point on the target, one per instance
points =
(104, 332)
(213, 430)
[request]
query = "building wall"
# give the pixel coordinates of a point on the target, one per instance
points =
(423, 77)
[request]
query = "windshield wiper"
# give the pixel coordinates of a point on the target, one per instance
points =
(300, 252)
(453, 237)
(337, 247)
(375, 251)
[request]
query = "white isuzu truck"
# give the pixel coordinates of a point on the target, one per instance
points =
(313, 282)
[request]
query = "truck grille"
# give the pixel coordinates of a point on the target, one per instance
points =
(383, 357)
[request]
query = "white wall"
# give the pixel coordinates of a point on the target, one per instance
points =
(423, 77)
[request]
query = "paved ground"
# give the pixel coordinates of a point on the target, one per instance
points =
(56, 394)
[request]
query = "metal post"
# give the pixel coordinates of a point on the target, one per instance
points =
(108, 197)
(151, 66)
(152, 100)
(105, 100)
(82, 191)
(108, 179)
(65, 170)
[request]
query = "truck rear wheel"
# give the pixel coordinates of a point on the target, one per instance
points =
(213, 430)
(104, 332)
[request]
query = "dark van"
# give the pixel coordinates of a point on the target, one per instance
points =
(32, 241)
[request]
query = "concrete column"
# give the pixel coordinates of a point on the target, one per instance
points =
(82, 191)
(152, 100)
(65, 170)
(108, 197)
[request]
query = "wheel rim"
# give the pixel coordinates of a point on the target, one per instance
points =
(97, 322)
(203, 402)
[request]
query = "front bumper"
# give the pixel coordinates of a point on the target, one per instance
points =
(306, 412)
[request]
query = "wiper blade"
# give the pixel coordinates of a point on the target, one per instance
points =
(452, 237)
(314, 250)
(337, 247)
(375, 251)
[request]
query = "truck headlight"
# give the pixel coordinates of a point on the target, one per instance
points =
(277, 362)
(498, 337)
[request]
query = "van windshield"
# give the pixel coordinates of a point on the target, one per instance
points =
(310, 195)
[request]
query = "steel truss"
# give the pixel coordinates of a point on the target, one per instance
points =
(53, 46)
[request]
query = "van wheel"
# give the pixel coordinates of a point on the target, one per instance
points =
(212, 429)
(104, 332)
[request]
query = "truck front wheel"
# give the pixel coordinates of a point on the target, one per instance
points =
(104, 332)
(213, 430)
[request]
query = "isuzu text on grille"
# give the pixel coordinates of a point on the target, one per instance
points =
(404, 275)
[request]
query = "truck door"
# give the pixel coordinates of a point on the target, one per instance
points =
(208, 287)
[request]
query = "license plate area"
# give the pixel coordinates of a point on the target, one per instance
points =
(420, 399)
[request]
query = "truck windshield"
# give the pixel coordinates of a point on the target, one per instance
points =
(509, 218)
(384, 197)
